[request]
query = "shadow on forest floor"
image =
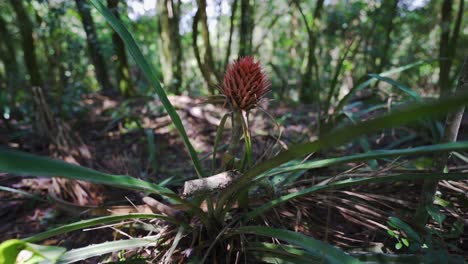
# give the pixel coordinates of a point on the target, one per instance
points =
(118, 144)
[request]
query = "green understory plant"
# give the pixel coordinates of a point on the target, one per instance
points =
(221, 231)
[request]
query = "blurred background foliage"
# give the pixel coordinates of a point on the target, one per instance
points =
(313, 51)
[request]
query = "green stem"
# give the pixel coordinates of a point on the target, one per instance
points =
(236, 133)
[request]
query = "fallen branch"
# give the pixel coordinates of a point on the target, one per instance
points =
(160, 208)
(210, 184)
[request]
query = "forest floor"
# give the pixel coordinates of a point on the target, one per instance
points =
(116, 134)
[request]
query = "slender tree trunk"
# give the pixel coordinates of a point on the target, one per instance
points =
(452, 125)
(456, 30)
(207, 65)
(171, 45)
(7, 55)
(30, 60)
(444, 60)
(448, 44)
(389, 25)
(231, 31)
(124, 78)
(246, 28)
(53, 131)
(93, 46)
(27, 42)
(306, 93)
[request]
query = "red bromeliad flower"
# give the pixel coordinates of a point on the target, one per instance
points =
(245, 83)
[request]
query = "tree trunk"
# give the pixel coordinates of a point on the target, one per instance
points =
(447, 44)
(7, 55)
(246, 28)
(93, 46)
(171, 46)
(452, 126)
(51, 130)
(306, 93)
(27, 42)
(444, 61)
(388, 21)
(124, 78)
(207, 66)
(231, 31)
(30, 60)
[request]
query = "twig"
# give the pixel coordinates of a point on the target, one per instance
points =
(209, 184)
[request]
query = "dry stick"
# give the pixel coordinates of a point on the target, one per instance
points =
(452, 125)
(210, 184)
(160, 208)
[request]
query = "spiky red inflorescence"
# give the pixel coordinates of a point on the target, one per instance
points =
(245, 83)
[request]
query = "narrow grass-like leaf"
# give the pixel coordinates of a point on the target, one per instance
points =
(363, 141)
(247, 139)
(390, 258)
(363, 85)
(175, 243)
(280, 175)
(23, 193)
(315, 247)
(406, 228)
(398, 85)
(415, 96)
(92, 222)
(376, 154)
(78, 254)
(274, 253)
(276, 257)
(219, 134)
(352, 182)
(150, 74)
(27, 164)
(10, 249)
(50, 253)
(398, 117)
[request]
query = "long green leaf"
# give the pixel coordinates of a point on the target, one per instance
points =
(274, 253)
(219, 134)
(10, 249)
(315, 247)
(376, 154)
(390, 258)
(23, 193)
(405, 227)
(78, 254)
(398, 117)
(363, 85)
(363, 141)
(398, 85)
(150, 74)
(92, 222)
(352, 182)
(27, 164)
